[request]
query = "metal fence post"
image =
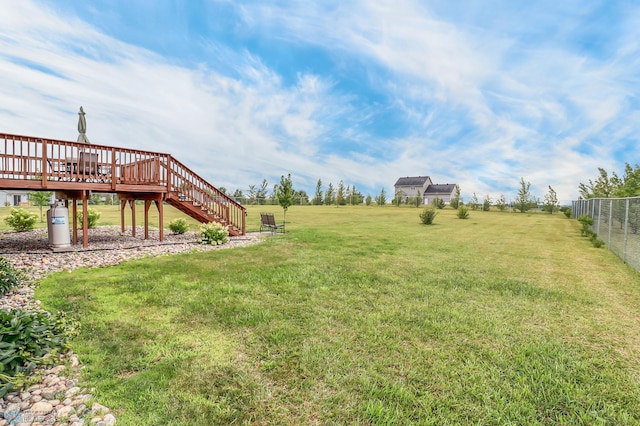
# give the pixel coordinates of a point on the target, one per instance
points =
(626, 223)
(610, 221)
(599, 216)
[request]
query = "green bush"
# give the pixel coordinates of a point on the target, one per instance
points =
(21, 220)
(463, 212)
(427, 215)
(178, 226)
(92, 217)
(586, 221)
(9, 277)
(438, 203)
(567, 212)
(214, 233)
(597, 242)
(25, 338)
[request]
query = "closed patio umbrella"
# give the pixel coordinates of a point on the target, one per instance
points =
(82, 127)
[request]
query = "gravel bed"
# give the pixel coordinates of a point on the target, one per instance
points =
(57, 399)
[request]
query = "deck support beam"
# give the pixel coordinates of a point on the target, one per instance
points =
(132, 203)
(74, 216)
(85, 218)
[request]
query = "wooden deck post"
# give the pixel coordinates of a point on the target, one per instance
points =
(75, 221)
(132, 203)
(123, 204)
(159, 205)
(85, 218)
(147, 204)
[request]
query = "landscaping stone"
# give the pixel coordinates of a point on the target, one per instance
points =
(59, 395)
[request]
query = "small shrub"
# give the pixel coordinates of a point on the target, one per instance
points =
(586, 222)
(463, 212)
(597, 242)
(21, 220)
(92, 217)
(25, 338)
(567, 212)
(178, 226)
(214, 233)
(428, 215)
(438, 203)
(10, 278)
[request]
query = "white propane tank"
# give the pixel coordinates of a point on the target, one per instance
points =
(59, 227)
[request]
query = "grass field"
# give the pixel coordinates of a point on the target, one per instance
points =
(362, 315)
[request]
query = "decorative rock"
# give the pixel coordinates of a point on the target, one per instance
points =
(98, 409)
(65, 411)
(70, 392)
(30, 252)
(41, 408)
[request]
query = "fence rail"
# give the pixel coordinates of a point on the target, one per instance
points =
(617, 222)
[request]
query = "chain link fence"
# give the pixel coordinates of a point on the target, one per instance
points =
(617, 222)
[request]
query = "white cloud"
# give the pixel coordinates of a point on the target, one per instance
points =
(476, 104)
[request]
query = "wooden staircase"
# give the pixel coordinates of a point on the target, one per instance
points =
(196, 198)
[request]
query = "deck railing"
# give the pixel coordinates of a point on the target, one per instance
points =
(36, 163)
(189, 186)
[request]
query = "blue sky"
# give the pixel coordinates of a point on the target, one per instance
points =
(478, 93)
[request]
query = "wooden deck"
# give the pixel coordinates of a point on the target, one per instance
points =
(75, 170)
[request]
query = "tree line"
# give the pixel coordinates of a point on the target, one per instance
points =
(611, 185)
(338, 195)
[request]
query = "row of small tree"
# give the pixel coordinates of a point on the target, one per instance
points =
(339, 195)
(611, 185)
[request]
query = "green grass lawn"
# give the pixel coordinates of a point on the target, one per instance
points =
(362, 315)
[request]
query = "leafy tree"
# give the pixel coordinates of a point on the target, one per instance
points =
(329, 195)
(438, 203)
(261, 193)
(340, 200)
(367, 200)
(486, 204)
(630, 183)
(381, 199)
(110, 199)
(40, 199)
(238, 196)
(302, 197)
(501, 204)
(355, 197)
(523, 200)
(550, 201)
(223, 190)
(418, 198)
(285, 194)
(603, 187)
(95, 199)
(474, 202)
(317, 199)
(455, 201)
(251, 193)
(397, 199)
(606, 186)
